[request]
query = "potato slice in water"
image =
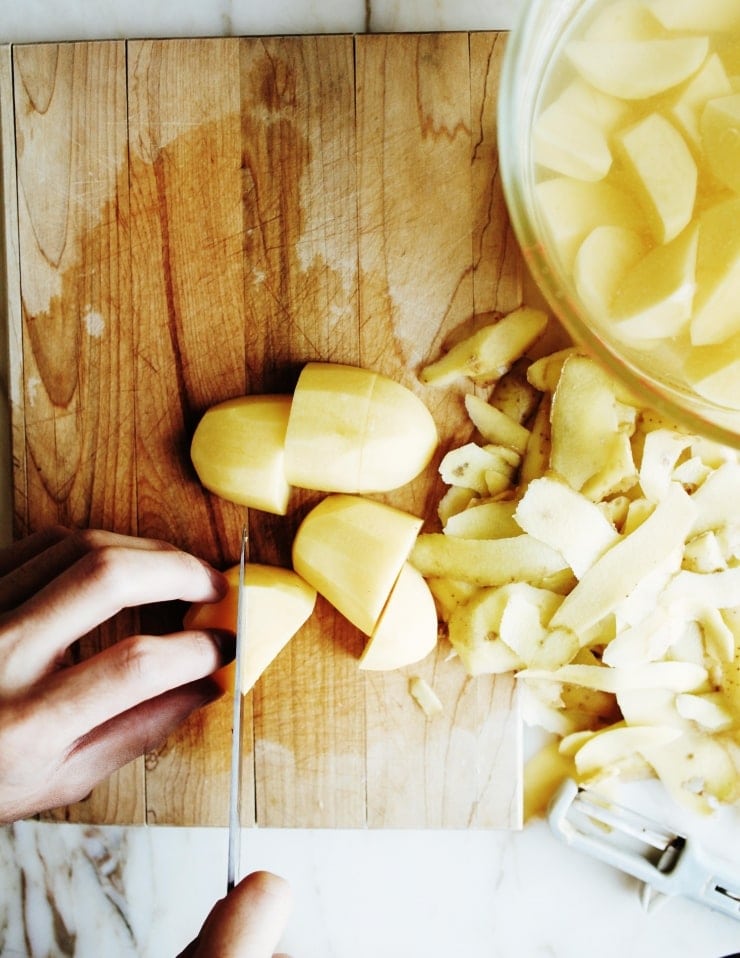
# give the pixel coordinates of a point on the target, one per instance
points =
(707, 15)
(720, 139)
(571, 136)
(624, 20)
(605, 256)
(710, 82)
(664, 173)
(717, 301)
(655, 296)
(574, 208)
(407, 628)
(637, 69)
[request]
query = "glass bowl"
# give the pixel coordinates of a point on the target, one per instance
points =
(533, 57)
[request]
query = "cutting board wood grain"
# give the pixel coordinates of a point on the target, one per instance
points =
(190, 220)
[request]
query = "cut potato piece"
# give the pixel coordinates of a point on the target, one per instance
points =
(717, 301)
(572, 209)
(665, 174)
(277, 601)
(354, 430)
(710, 82)
(489, 352)
(567, 521)
(351, 551)
(623, 20)
(655, 296)
(605, 256)
(720, 138)
(707, 15)
(637, 69)
(238, 451)
(407, 628)
(571, 134)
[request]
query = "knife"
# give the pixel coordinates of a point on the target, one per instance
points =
(235, 790)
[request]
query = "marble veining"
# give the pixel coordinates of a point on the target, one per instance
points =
(119, 892)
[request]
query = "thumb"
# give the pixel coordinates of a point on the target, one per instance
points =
(248, 923)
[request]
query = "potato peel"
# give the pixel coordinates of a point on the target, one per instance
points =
(618, 605)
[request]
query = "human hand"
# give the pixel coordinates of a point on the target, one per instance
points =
(64, 728)
(248, 923)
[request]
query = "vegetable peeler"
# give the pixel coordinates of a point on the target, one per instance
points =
(665, 861)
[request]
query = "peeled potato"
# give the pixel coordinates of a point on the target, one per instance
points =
(710, 82)
(354, 430)
(720, 137)
(605, 256)
(706, 15)
(278, 602)
(665, 174)
(351, 550)
(717, 303)
(407, 628)
(238, 451)
(655, 297)
(637, 69)
(568, 141)
(574, 208)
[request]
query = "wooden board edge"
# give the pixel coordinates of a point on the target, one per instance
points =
(12, 475)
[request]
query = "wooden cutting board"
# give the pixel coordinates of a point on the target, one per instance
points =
(189, 220)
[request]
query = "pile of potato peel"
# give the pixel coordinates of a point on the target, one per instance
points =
(591, 547)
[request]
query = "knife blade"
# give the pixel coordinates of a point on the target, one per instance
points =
(232, 867)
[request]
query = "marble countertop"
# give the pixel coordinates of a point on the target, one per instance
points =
(72, 890)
